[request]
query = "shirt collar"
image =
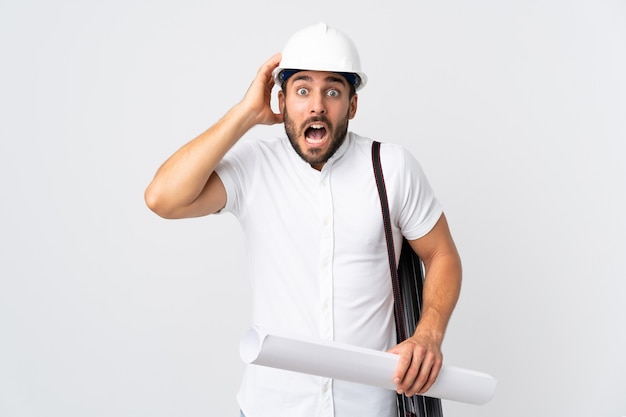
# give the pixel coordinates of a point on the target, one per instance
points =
(331, 161)
(342, 149)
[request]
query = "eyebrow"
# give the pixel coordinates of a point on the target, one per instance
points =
(331, 78)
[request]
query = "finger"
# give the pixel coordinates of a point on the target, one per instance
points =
(269, 85)
(276, 57)
(404, 362)
(422, 376)
(412, 374)
(429, 371)
(432, 377)
(270, 64)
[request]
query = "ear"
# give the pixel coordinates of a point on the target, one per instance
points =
(353, 105)
(281, 101)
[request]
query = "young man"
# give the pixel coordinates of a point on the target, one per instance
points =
(309, 209)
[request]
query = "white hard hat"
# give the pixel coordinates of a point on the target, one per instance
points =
(321, 48)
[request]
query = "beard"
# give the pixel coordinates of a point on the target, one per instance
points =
(315, 156)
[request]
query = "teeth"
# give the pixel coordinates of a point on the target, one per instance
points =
(314, 141)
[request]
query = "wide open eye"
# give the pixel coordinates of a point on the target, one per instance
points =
(333, 93)
(302, 91)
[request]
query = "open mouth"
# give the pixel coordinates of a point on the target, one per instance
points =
(315, 134)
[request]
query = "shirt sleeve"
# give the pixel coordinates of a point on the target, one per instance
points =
(233, 175)
(413, 204)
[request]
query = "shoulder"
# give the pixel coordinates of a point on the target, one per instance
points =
(249, 150)
(390, 149)
(255, 144)
(247, 159)
(396, 158)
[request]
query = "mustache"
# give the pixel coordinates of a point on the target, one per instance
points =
(315, 119)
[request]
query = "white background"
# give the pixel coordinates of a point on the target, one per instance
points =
(516, 110)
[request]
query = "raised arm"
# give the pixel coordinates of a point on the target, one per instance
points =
(420, 355)
(186, 184)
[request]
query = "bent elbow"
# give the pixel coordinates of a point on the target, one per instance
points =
(157, 203)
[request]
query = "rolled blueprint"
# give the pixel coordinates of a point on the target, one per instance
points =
(356, 364)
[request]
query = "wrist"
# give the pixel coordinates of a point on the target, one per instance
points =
(242, 116)
(431, 325)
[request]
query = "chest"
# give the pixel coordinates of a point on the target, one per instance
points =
(341, 203)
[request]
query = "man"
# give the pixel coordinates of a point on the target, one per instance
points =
(310, 213)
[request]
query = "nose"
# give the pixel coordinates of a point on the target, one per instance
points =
(317, 103)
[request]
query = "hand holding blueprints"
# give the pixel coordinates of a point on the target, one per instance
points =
(356, 364)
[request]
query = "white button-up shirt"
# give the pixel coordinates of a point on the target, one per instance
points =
(318, 261)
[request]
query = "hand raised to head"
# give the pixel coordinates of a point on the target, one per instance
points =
(259, 95)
